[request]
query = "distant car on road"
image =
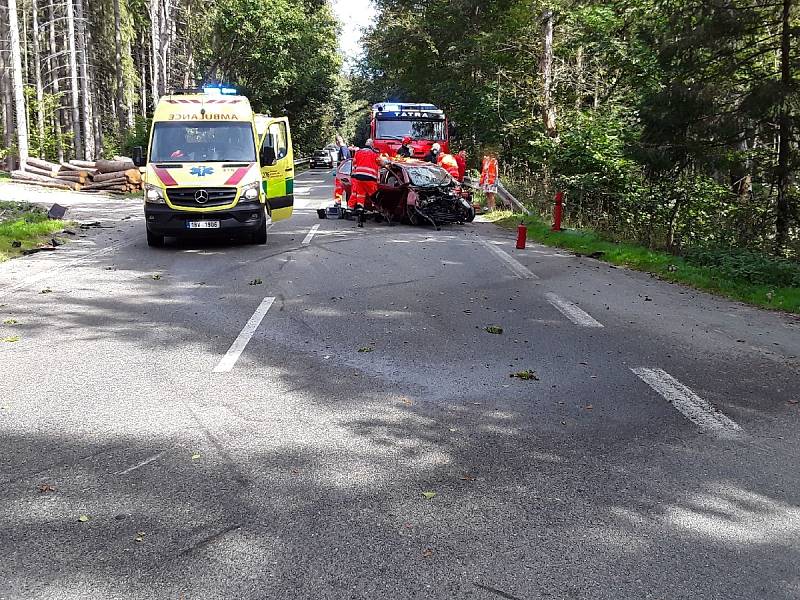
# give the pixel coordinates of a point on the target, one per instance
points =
(321, 158)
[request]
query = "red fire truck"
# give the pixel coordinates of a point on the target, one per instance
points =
(423, 123)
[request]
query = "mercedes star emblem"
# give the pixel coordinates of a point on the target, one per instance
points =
(201, 196)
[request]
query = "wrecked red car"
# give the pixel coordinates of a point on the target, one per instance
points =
(409, 191)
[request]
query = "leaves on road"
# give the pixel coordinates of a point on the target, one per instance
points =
(496, 329)
(527, 375)
(10, 322)
(46, 487)
(83, 518)
(256, 281)
(139, 537)
(46, 291)
(156, 276)
(195, 456)
(429, 495)
(365, 349)
(467, 477)
(10, 339)
(427, 553)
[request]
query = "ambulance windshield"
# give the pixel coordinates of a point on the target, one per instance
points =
(201, 141)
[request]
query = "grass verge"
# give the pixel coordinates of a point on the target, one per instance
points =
(662, 264)
(24, 224)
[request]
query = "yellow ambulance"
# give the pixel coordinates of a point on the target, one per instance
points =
(215, 167)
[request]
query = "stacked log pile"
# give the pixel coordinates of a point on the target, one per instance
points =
(117, 176)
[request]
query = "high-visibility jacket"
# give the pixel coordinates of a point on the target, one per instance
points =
(489, 171)
(448, 163)
(366, 164)
(462, 166)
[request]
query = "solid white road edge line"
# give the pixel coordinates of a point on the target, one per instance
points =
(240, 343)
(692, 406)
(146, 461)
(513, 264)
(310, 236)
(572, 311)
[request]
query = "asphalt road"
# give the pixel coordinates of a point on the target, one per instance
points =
(201, 435)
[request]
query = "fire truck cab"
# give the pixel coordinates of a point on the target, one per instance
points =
(425, 124)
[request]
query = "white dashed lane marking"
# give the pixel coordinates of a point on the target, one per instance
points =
(572, 311)
(512, 263)
(310, 235)
(240, 343)
(690, 405)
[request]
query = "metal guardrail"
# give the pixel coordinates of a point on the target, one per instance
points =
(504, 194)
(301, 161)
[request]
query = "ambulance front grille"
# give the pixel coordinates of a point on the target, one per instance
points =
(194, 198)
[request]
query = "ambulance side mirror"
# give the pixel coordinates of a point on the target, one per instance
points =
(267, 157)
(138, 156)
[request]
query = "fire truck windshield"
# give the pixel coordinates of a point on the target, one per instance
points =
(418, 130)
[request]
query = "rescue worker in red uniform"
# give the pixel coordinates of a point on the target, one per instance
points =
(488, 181)
(448, 163)
(405, 151)
(364, 176)
(461, 159)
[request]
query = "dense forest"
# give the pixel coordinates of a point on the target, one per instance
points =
(668, 122)
(84, 76)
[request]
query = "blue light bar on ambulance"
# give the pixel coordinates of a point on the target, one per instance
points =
(218, 90)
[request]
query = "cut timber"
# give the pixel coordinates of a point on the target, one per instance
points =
(115, 176)
(134, 176)
(32, 178)
(74, 178)
(86, 164)
(44, 165)
(107, 185)
(73, 170)
(34, 170)
(111, 166)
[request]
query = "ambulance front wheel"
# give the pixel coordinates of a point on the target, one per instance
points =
(260, 234)
(154, 240)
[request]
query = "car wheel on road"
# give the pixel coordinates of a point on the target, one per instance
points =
(260, 235)
(154, 240)
(470, 216)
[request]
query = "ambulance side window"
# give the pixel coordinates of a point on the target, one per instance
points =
(267, 154)
(278, 133)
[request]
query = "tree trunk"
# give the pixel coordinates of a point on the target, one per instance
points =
(19, 96)
(85, 83)
(37, 66)
(143, 77)
(579, 78)
(53, 67)
(73, 76)
(6, 102)
(783, 208)
(155, 68)
(548, 108)
(122, 118)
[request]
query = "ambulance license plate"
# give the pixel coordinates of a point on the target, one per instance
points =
(202, 224)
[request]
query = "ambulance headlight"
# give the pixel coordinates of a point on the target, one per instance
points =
(250, 191)
(153, 194)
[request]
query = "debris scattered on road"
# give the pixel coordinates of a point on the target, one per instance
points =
(10, 339)
(156, 276)
(195, 456)
(793, 402)
(496, 329)
(429, 495)
(527, 375)
(46, 487)
(46, 291)
(83, 518)
(16, 244)
(256, 281)
(407, 401)
(365, 349)
(139, 536)
(30, 251)
(588, 407)
(427, 553)
(10, 322)
(467, 477)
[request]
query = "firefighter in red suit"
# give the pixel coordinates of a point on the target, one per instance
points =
(364, 177)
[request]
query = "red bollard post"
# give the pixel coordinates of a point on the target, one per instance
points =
(558, 211)
(522, 236)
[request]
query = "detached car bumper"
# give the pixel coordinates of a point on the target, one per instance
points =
(242, 218)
